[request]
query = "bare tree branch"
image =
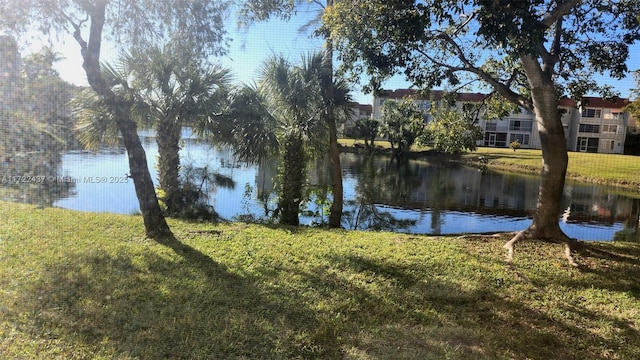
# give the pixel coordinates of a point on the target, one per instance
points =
(500, 87)
(561, 10)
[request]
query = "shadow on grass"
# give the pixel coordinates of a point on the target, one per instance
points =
(156, 306)
(620, 274)
(629, 255)
(432, 318)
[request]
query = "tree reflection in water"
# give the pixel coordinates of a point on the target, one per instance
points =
(32, 177)
(630, 230)
(392, 180)
(422, 196)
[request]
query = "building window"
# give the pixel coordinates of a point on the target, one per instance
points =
(589, 128)
(495, 139)
(608, 128)
(588, 144)
(522, 138)
(591, 113)
(616, 115)
(490, 126)
(521, 125)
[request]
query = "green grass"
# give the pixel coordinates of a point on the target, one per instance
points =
(90, 286)
(614, 169)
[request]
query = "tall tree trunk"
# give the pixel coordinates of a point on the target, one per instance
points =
(155, 224)
(335, 212)
(545, 225)
(293, 177)
(168, 139)
(554, 164)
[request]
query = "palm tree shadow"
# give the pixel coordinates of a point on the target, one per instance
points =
(193, 256)
(150, 304)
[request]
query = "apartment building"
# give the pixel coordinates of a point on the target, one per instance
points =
(596, 125)
(593, 125)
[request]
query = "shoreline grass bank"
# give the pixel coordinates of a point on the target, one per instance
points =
(90, 286)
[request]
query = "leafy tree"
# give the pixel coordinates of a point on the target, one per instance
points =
(402, 123)
(529, 52)
(170, 90)
(367, 129)
(451, 132)
(259, 10)
(134, 24)
(48, 96)
(293, 98)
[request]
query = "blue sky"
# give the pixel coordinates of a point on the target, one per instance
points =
(249, 48)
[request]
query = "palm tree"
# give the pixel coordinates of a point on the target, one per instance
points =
(169, 90)
(283, 115)
(179, 91)
(291, 95)
(258, 10)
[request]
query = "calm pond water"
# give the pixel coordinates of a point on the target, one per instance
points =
(417, 197)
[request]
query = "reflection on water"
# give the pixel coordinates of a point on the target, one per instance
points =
(445, 199)
(29, 175)
(416, 196)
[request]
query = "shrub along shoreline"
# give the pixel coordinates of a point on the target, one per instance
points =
(79, 285)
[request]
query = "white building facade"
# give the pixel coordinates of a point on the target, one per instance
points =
(593, 125)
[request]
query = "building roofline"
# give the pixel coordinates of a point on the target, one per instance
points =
(587, 101)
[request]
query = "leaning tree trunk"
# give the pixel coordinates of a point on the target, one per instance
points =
(154, 222)
(168, 139)
(545, 225)
(293, 177)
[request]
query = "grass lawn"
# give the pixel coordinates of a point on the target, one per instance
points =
(612, 169)
(90, 286)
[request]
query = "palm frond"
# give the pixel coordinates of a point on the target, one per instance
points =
(93, 123)
(253, 127)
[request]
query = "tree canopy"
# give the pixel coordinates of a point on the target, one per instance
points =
(129, 24)
(452, 43)
(452, 132)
